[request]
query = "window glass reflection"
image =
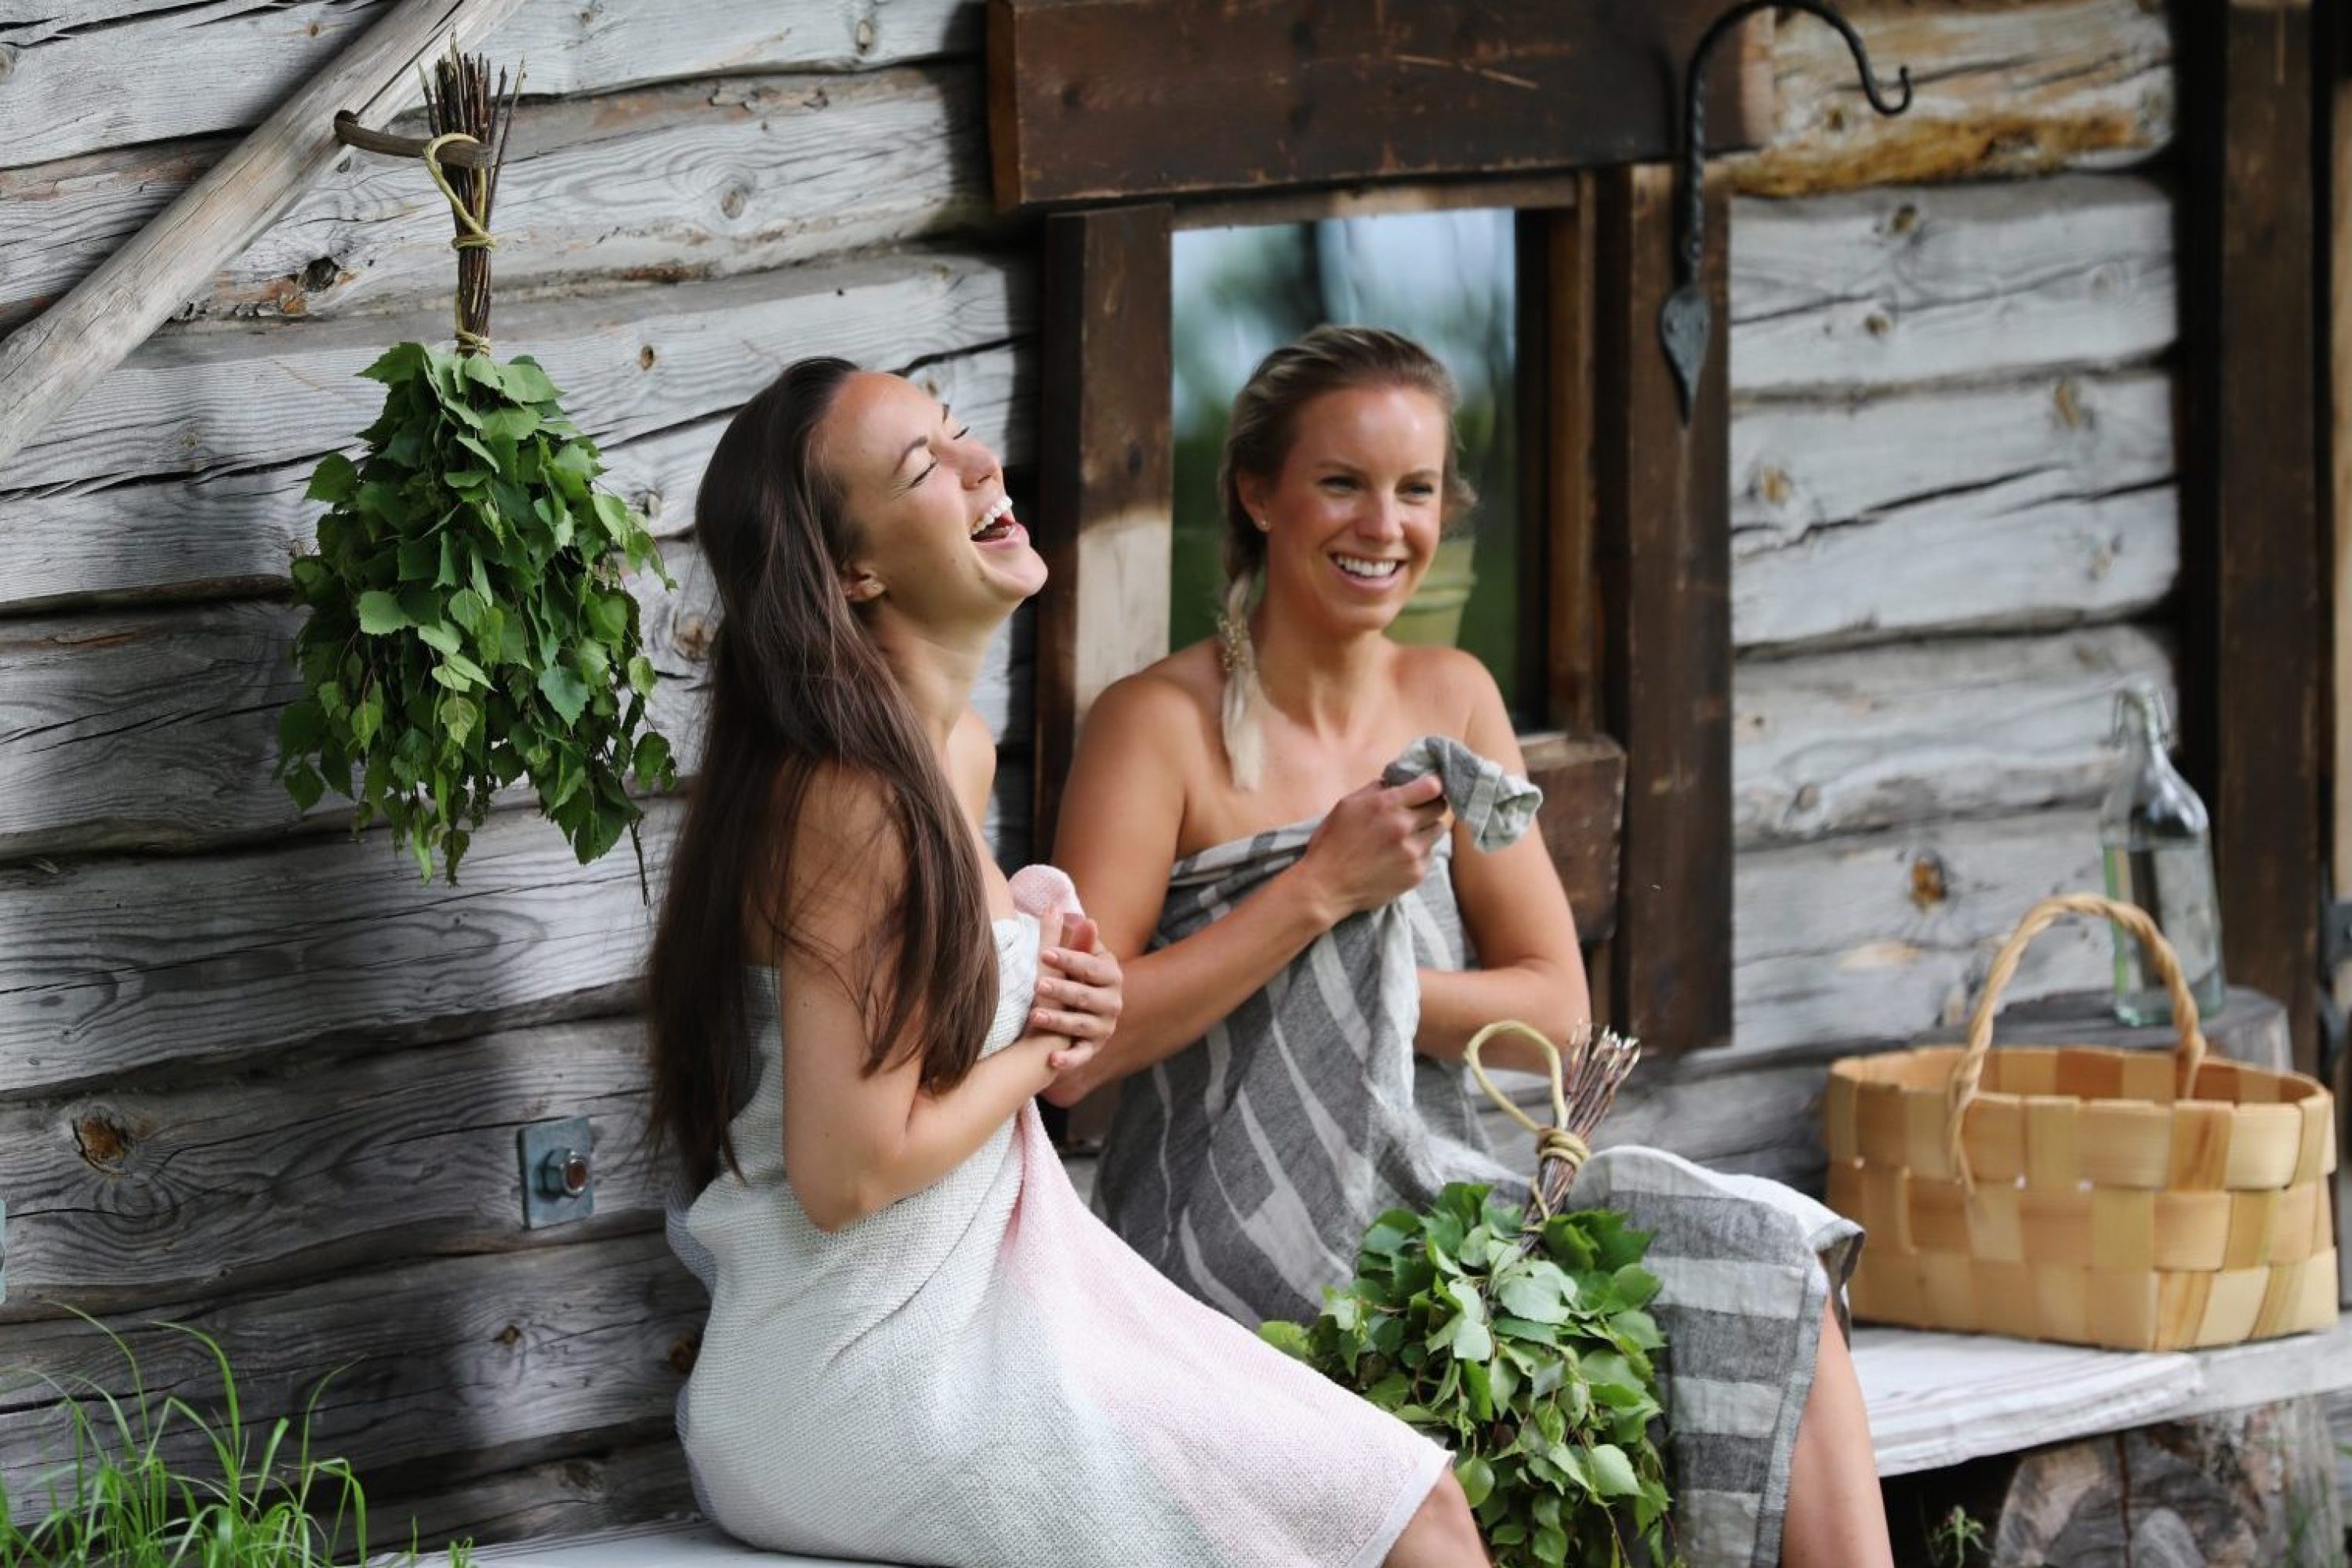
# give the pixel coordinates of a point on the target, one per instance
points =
(1445, 279)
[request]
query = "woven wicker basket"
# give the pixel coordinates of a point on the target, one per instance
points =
(2083, 1194)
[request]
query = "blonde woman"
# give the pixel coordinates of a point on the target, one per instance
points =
(1306, 844)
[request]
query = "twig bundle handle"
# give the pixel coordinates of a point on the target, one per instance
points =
(2188, 1049)
(1557, 1141)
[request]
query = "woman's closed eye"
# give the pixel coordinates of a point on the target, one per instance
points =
(932, 467)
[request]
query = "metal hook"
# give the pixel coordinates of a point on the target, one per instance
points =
(1686, 319)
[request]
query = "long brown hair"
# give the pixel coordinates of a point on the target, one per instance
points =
(796, 684)
(1264, 427)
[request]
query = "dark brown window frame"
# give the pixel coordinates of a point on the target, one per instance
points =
(1563, 114)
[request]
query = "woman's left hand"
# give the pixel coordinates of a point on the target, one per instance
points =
(1079, 993)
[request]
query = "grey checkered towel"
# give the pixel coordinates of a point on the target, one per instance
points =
(1247, 1166)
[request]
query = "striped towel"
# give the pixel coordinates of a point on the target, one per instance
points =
(1247, 1166)
(1746, 1266)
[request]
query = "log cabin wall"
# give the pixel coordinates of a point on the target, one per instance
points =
(256, 1078)
(253, 1076)
(1954, 498)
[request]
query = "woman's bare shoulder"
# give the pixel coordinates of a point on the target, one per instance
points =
(1446, 690)
(1178, 694)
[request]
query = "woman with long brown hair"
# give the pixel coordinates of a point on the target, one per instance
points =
(1309, 846)
(921, 1348)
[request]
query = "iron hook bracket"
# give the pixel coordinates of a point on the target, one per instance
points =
(1686, 320)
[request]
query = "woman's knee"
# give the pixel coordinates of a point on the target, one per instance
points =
(1442, 1532)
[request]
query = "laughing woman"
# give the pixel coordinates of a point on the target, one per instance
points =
(1308, 845)
(921, 1348)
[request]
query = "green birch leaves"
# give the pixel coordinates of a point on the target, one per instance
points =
(469, 625)
(1535, 1369)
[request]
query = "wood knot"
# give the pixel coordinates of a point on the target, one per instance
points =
(1878, 323)
(1773, 486)
(1902, 221)
(691, 635)
(683, 1351)
(321, 275)
(1929, 884)
(646, 357)
(103, 1140)
(731, 204)
(864, 34)
(2069, 400)
(509, 1336)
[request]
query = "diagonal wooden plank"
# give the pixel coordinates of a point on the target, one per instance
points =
(46, 365)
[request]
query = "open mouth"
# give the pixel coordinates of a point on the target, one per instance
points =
(997, 522)
(1364, 569)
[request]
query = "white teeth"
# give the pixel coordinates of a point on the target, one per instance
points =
(1357, 566)
(996, 509)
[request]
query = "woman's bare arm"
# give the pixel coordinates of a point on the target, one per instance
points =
(1516, 914)
(854, 1142)
(1121, 812)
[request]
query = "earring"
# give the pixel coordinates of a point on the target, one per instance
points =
(1262, 526)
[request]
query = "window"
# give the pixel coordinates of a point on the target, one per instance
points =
(1446, 279)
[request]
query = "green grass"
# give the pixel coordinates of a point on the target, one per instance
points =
(252, 1499)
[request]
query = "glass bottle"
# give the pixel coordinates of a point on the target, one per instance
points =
(2155, 842)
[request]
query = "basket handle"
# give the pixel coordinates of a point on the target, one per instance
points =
(2188, 1051)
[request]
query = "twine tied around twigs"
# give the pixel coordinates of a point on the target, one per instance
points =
(471, 234)
(1584, 1085)
(467, 109)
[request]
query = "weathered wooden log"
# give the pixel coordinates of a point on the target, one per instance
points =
(129, 1197)
(116, 965)
(120, 964)
(2044, 501)
(90, 74)
(432, 1362)
(48, 363)
(159, 729)
(697, 179)
(2245, 1489)
(1845, 743)
(1889, 287)
(1880, 935)
(231, 534)
(2249, 1027)
(241, 395)
(594, 1491)
(2003, 90)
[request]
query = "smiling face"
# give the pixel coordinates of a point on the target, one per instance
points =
(1354, 516)
(939, 544)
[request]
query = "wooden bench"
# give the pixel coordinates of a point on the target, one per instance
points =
(1936, 1402)
(2035, 1440)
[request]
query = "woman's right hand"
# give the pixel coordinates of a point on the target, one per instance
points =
(1375, 846)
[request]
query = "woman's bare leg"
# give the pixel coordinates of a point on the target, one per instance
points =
(1442, 1534)
(1836, 1517)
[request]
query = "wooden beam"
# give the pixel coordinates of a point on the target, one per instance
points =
(46, 365)
(1104, 476)
(1558, 251)
(1315, 204)
(756, 172)
(2253, 660)
(150, 72)
(1662, 498)
(1583, 780)
(1107, 100)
